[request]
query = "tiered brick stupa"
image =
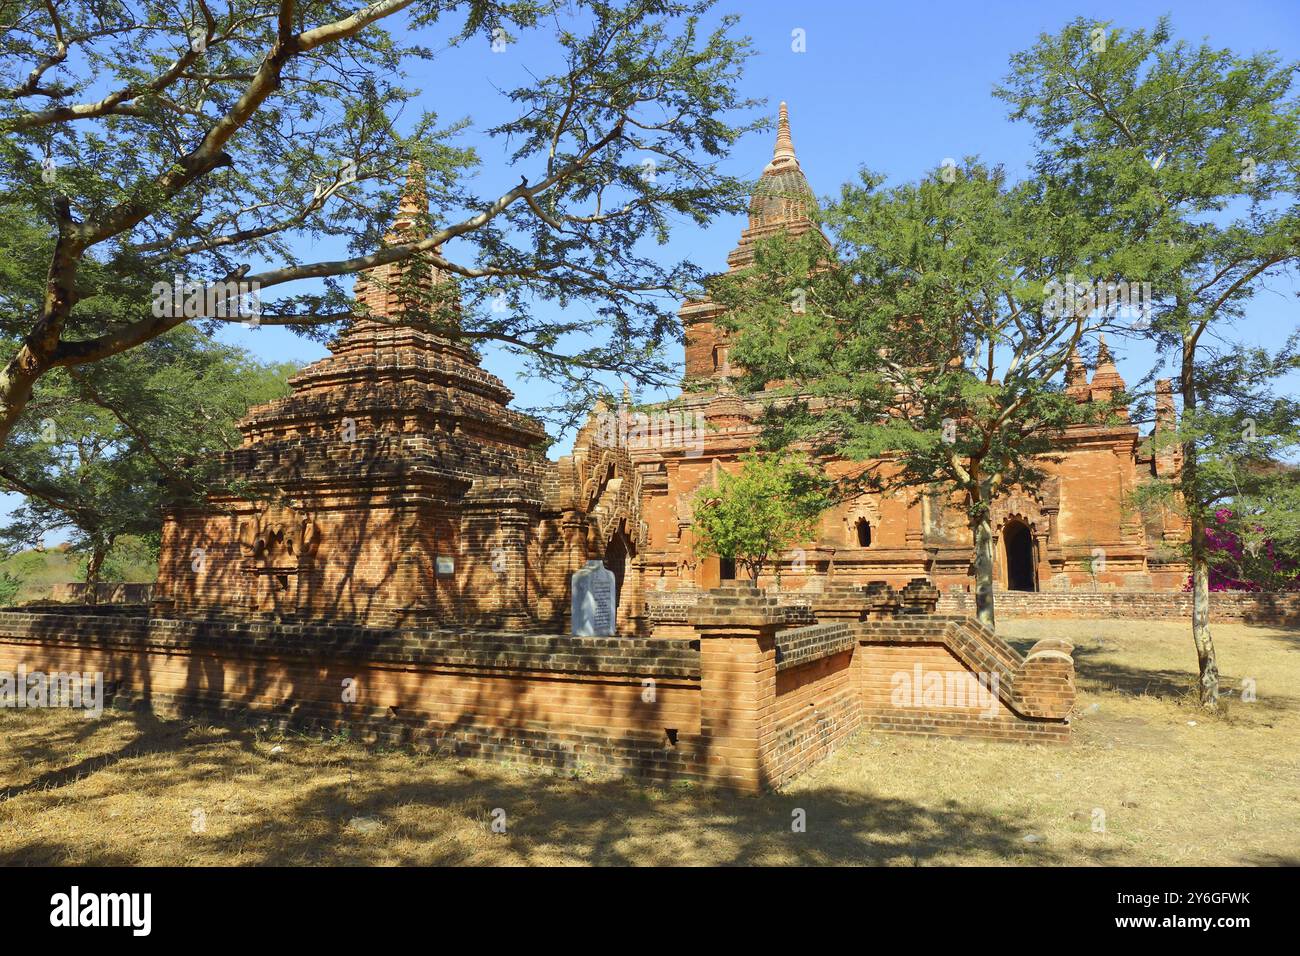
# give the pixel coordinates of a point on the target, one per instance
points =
(393, 482)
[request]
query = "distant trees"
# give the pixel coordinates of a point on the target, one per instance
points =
(101, 448)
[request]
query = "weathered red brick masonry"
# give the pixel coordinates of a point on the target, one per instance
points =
(395, 485)
(747, 702)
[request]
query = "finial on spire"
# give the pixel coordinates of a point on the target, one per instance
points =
(415, 195)
(783, 155)
(1103, 352)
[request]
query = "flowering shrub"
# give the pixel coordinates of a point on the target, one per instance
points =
(1242, 560)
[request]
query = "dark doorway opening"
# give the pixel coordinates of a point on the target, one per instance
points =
(864, 533)
(616, 561)
(727, 569)
(1019, 545)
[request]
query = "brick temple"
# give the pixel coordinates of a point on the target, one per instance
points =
(396, 485)
(1047, 538)
(393, 526)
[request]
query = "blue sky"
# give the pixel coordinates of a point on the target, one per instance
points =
(893, 86)
(896, 87)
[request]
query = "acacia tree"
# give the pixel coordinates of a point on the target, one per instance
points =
(1188, 159)
(772, 503)
(928, 349)
(100, 449)
(163, 141)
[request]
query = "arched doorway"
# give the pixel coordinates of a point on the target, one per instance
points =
(1018, 552)
(616, 561)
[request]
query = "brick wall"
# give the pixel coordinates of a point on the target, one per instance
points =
(748, 703)
(950, 676)
(1251, 608)
(775, 700)
(559, 701)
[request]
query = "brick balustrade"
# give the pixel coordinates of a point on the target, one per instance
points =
(776, 701)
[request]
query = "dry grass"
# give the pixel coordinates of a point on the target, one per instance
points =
(123, 789)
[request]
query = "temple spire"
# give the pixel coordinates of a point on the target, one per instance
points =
(783, 155)
(1106, 380)
(1103, 352)
(1076, 376)
(413, 204)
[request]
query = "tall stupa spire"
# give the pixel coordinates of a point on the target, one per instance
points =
(782, 200)
(413, 204)
(783, 155)
(408, 285)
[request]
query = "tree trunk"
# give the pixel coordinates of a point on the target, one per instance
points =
(93, 565)
(17, 379)
(982, 535)
(34, 356)
(1206, 662)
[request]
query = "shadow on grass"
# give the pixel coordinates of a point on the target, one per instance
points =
(552, 818)
(558, 823)
(1287, 636)
(1096, 671)
(153, 735)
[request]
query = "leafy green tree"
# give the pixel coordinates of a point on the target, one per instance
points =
(925, 347)
(1187, 158)
(212, 144)
(770, 504)
(98, 450)
(9, 587)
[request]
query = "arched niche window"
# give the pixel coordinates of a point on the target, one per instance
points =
(720, 358)
(863, 529)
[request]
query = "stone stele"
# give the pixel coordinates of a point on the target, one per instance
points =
(593, 600)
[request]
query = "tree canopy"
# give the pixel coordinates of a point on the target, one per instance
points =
(1187, 158)
(920, 346)
(216, 145)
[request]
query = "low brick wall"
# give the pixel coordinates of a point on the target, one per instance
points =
(1251, 608)
(817, 704)
(953, 677)
(777, 700)
(747, 702)
(626, 705)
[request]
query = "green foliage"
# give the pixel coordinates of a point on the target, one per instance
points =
(927, 338)
(1246, 437)
(920, 347)
(9, 587)
(98, 451)
(1188, 158)
(770, 504)
(132, 558)
(158, 143)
